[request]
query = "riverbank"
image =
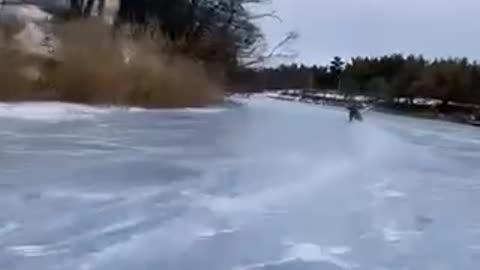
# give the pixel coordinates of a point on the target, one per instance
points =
(89, 61)
(94, 67)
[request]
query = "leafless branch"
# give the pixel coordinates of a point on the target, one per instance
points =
(291, 36)
(271, 14)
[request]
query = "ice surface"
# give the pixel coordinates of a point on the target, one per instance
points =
(267, 184)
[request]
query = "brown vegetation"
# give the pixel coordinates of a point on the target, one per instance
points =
(14, 84)
(95, 65)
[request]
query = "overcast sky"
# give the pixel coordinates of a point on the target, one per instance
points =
(434, 28)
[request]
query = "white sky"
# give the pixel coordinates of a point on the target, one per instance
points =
(434, 28)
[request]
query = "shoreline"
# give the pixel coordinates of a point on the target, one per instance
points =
(414, 111)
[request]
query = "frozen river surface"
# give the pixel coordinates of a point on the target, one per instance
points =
(269, 185)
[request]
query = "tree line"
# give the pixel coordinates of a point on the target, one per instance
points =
(224, 34)
(388, 78)
(221, 32)
(151, 53)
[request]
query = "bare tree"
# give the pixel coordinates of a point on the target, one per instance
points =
(76, 7)
(256, 56)
(85, 8)
(101, 7)
(223, 31)
(88, 7)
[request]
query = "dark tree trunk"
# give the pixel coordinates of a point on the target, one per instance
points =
(101, 7)
(445, 102)
(174, 16)
(76, 7)
(87, 11)
(134, 11)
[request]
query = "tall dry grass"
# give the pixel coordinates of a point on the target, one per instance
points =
(13, 84)
(96, 65)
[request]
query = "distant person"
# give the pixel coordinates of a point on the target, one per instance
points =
(354, 112)
(422, 222)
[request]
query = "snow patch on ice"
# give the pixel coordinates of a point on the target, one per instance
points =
(381, 191)
(121, 225)
(308, 252)
(262, 265)
(50, 111)
(202, 110)
(83, 196)
(8, 228)
(304, 252)
(205, 110)
(34, 251)
(340, 250)
(136, 109)
(263, 200)
(210, 232)
(392, 235)
(393, 194)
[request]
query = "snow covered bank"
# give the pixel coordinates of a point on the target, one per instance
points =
(49, 111)
(61, 111)
(42, 61)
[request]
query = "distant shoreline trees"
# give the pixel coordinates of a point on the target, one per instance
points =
(388, 78)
